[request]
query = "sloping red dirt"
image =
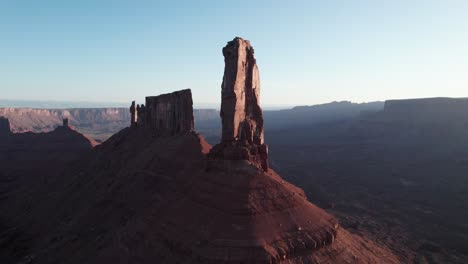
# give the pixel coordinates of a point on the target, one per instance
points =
(141, 199)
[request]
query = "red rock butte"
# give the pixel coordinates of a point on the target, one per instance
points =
(234, 209)
(158, 192)
(170, 114)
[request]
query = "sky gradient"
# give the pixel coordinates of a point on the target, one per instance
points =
(308, 52)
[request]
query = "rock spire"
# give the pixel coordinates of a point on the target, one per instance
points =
(65, 122)
(4, 127)
(242, 118)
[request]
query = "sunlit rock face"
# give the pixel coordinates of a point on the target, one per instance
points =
(240, 106)
(242, 118)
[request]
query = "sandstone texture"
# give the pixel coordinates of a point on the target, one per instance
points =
(242, 118)
(170, 114)
(241, 114)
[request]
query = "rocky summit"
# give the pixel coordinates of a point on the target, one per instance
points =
(241, 115)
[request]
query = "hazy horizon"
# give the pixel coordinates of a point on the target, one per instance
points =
(56, 104)
(308, 52)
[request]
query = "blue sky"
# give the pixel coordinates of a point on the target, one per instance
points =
(308, 52)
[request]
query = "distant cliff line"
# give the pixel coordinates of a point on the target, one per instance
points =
(101, 123)
(44, 120)
(98, 123)
(437, 109)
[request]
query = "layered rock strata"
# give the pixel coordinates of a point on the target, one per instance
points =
(99, 123)
(242, 118)
(170, 114)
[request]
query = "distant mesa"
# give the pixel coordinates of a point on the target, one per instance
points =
(98, 123)
(439, 109)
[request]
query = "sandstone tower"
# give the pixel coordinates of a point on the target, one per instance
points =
(242, 117)
(65, 122)
(170, 114)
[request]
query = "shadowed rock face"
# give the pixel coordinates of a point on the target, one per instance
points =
(4, 127)
(242, 117)
(170, 114)
(433, 110)
(153, 197)
(62, 144)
